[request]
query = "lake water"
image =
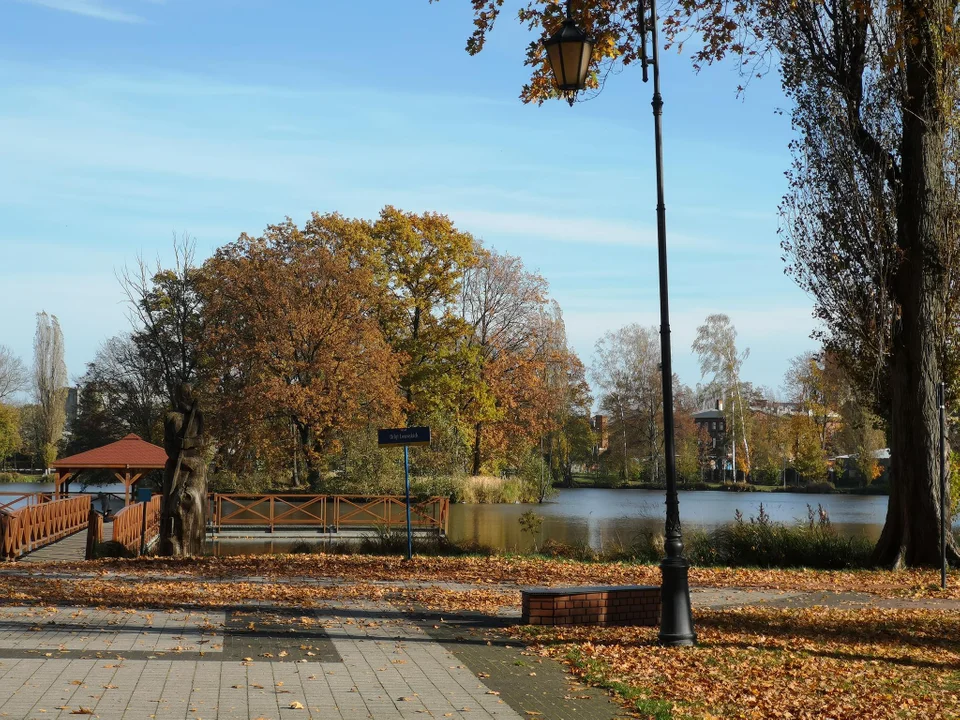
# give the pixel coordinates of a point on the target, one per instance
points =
(8, 490)
(600, 517)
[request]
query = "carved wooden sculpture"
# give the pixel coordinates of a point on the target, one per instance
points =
(183, 516)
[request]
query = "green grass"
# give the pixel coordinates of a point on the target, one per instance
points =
(596, 673)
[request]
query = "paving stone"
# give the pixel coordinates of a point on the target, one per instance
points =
(367, 661)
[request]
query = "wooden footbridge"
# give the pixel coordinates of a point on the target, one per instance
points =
(40, 527)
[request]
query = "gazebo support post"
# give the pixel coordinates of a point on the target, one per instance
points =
(59, 480)
(132, 480)
(125, 479)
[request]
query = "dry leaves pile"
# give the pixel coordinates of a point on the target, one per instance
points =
(761, 662)
(503, 570)
(195, 593)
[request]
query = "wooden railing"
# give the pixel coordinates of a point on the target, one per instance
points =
(36, 525)
(128, 528)
(10, 501)
(330, 513)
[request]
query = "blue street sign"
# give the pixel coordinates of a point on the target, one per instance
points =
(411, 436)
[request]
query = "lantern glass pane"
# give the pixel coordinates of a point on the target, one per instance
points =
(584, 65)
(572, 53)
(556, 63)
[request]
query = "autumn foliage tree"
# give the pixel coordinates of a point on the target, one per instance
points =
(501, 304)
(9, 432)
(815, 382)
(293, 337)
(424, 260)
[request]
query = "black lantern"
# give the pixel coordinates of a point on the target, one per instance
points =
(568, 51)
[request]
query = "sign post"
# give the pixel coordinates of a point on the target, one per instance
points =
(416, 436)
(143, 497)
(406, 484)
(943, 489)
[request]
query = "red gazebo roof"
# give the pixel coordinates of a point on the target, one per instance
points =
(128, 452)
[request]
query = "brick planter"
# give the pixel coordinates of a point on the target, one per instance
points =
(604, 605)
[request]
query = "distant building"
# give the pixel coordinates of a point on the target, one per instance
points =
(599, 425)
(72, 408)
(843, 469)
(713, 421)
(772, 407)
(713, 424)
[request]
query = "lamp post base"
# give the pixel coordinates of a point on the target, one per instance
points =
(676, 619)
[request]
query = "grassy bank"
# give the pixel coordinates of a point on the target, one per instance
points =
(7, 478)
(615, 482)
(491, 490)
(746, 542)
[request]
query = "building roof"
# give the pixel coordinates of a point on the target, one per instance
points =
(128, 452)
(708, 415)
(882, 454)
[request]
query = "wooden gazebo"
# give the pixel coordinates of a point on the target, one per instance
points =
(129, 458)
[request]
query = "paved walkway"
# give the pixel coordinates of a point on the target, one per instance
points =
(362, 660)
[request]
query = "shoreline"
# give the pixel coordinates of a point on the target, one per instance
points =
(817, 489)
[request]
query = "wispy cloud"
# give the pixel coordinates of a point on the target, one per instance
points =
(567, 229)
(88, 8)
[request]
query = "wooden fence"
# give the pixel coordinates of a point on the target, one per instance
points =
(328, 513)
(128, 528)
(10, 501)
(35, 525)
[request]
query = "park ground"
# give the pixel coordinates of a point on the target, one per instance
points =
(376, 637)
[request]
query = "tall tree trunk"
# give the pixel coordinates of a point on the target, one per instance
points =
(654, 450)
(309, 455)
(296, 465)
(911, 533)
(623, 432)
(477, 433)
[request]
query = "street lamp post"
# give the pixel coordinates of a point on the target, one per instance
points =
(568, 52)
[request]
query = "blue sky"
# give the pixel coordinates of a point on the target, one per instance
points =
(124, 121)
